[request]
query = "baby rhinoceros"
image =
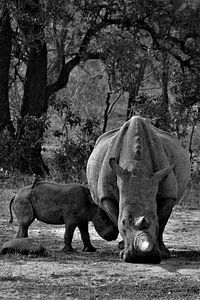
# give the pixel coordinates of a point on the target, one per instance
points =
(69, 204)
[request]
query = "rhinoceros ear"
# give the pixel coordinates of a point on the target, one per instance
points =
(160, 175)
(116, 168)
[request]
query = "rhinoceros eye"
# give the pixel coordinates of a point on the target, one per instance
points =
(130, 219)
(133, 174)
(124, 222)
(127, 220)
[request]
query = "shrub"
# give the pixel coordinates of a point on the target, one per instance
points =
(70, 159)
(29, 142)
(22, 151)
(151, 107)
(8, 153)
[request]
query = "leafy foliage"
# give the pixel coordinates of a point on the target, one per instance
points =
(151, 107)
(123, 59)
(21, 151)
(77, 139)
(122, 33)
(180, 117)
(8, 157)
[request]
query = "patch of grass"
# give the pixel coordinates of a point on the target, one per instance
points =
(176, 288)
(191, 198)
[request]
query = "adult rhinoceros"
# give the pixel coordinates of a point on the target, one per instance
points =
(137, 173)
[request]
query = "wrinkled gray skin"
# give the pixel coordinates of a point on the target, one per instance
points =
(137, 173)
(69, 204)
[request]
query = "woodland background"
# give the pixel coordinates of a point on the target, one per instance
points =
(71, 70)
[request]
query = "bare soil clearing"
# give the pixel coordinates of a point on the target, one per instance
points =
(100, 275)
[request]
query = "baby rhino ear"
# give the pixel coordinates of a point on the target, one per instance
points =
(160, 175)
(119, 171)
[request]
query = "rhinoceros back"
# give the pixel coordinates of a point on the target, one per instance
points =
(49, 200)
(160, 150)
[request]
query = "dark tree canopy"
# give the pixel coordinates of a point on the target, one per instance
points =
(41, 42)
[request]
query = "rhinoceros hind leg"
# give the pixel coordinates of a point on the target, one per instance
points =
(25, 216)
(89, 249)
(83, 227)
(24, 224)
(68, 248)
(22, 231)
(164, 209)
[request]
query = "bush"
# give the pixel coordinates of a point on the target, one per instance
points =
(8, 153)
(29, 142)
(22, 151)
(69, 161)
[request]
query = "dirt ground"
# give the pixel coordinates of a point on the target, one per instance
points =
(100, 275)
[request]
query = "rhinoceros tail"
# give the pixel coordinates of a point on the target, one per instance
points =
(10, 208)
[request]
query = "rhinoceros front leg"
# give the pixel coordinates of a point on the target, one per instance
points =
(68, 236)
(83, 227)
(164, 209)
(112, 209)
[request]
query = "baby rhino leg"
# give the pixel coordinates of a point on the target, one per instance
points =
(70, 226)
(83, 227)
(25, 216)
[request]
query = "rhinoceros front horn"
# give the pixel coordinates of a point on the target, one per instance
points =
(143, 243)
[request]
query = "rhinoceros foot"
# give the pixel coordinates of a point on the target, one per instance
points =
(24, 246)
(121, 245)
(152, 258)
(89, 249)
(68, 249)
(165, 254)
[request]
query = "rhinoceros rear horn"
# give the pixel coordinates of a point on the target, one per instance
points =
(160, 175)
(141, 223)
(116, 168)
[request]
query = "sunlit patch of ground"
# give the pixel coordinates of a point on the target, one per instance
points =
(100, 275)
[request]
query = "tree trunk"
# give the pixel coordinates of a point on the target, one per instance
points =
(33, 110)
(34, 103)
(134, 90)
(131, 101)
(165, 120)
(34, 100)
(5, 57)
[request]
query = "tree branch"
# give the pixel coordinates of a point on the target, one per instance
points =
(63, 76)
(170, 41)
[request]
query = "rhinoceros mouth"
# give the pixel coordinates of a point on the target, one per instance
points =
(150, 258)
(144, 250)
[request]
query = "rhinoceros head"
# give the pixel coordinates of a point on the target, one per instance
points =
(138, 221)
(103, 225)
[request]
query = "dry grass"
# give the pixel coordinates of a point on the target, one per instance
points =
(100, 275)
